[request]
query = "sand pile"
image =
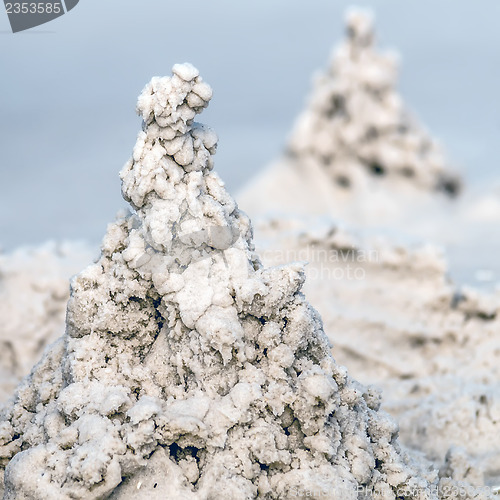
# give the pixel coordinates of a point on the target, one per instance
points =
(356, 126)
(356, 152)
(187, 369)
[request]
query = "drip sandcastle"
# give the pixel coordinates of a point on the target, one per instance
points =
(188, 369)
(356, 125)
(356, 152)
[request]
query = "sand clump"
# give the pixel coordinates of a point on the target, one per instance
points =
(355, 151)
(356, 123)
(187, 369)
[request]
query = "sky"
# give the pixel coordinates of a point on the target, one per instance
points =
(69, 88)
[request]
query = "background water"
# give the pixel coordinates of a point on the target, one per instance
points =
(68, 92)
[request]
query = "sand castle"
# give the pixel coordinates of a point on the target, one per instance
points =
(189, 370)
(355, 151)
(356, 122)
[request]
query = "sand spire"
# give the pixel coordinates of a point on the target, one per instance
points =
(356, 122)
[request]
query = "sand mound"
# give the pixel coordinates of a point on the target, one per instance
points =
(356, 152)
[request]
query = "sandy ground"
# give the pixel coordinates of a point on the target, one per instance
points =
(34, 291)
